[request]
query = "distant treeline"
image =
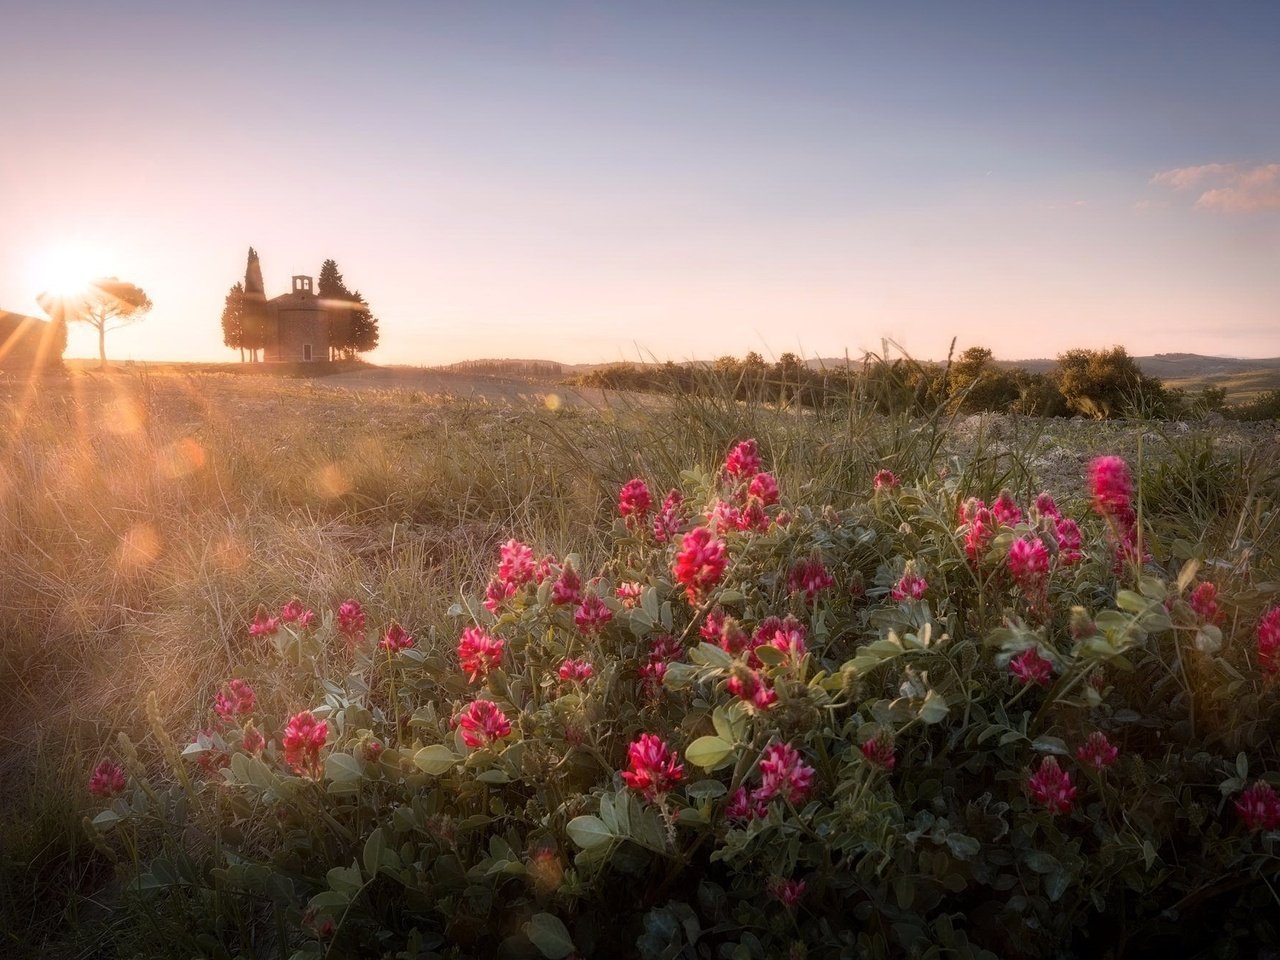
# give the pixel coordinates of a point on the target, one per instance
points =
(519, 368)
(1093, 383)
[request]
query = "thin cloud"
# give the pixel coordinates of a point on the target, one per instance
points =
(1227, 187)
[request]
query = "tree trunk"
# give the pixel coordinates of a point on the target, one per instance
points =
(102, 346)
(242, 354)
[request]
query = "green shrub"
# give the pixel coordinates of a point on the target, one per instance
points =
(862, 729)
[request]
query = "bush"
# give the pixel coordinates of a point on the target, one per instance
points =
(759, 728)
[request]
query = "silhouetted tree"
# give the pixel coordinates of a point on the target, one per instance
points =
(364, 326)
(1103, 383)
(106, 304)
(233, 311)
(253, 316)
(352, 327)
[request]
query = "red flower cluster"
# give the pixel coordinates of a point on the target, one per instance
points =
(263, 625)
(629, 593)
(1005, 510)
(662, 651)
(1204, 601)
(303, 738)
(106, 780)
(1097, 751)
(293, 612)
(784, 774)
(879, 750)
(911, 586)
(979, 527)
(515, 563)
(592, 615)
(1112, 489)
(1259, 807)
(482, 723)
(764, 487)
(885, 480)
(235, 699)
(1269, 641)
(351, 621)
(1029, 567)
(479, 653)
(567, 588)
(654, 767)
(396, 639)
(1069, 541)
(1051, 787)
(786, 635)
(809, 577)
(748, 686)
(787, 892)
(576, 671)
(1046, 506)
(634, 502)
(670, 517)
(743, 460)
(1030, 667)
(700, 563)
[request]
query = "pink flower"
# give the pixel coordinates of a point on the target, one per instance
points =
(482, 723)
(700, 563)
(263, 626)
(396, 639)
(764, 487)
(592, 615)
(1030, 667)
(1259, 807)
(629, 593)
(1097, 751)
(1204, 601)
(304, 736)
(879, 750)
(733, 640)
(665, 647)
(1051, 787)
(809, 577)
(351, 620)
(743, 461)
(787, 892)
(1269, 641)
(306, 619)
(515, 563)
(1005, 510)
(107, 779)
(237, 699)
(745, 806)
(1112, 489)
(669, 518)
(654, 768)
(663, 650)
(747, 686)
(786, 635)
(544, 568)
(1046, 506)
(885, 480)
(784, 774)
(712, 625)
(497, 593)
(576, 671)
(1069, 541)
(479, 653)
(292, 611)
(979, 530)
(753, 516)
(567, 588)
(912, 586)
(1029, 564)
(252, 740)
(725, 516)
(634, 501)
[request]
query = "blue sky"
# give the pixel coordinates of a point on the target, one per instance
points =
(594, 181)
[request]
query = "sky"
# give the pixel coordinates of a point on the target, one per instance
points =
(601, 181)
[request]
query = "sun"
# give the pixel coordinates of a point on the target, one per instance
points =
(64, 269)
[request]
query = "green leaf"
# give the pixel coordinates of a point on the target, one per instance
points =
(1148, 853)
(962, 847)
(435, 759)
(710, 655)
(706, 790)
(549, 935)
(1131, 602)
(589, 832)
(1047, 744)
(708, 752)
(373, 848)
(771, 656)
(342, 767)
(1189, 571)
(1041, 862)
(934, 709)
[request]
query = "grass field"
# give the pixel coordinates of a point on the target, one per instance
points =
(145, 515)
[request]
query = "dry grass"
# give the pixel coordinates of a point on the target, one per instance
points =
(145, 515)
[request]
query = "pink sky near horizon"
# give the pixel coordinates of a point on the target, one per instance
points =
(596, 185)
